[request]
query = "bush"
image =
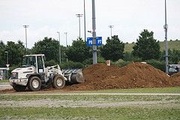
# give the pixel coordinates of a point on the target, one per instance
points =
(121, 63)
(50, 63)
(71, 65)
(157, 64)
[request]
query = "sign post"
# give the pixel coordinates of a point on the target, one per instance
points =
(7, 65)
(94, 47)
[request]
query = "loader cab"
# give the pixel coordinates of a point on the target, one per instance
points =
(36, 61)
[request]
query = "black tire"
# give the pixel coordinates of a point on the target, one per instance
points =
(58, 82)
(18, 88)
(34, 83)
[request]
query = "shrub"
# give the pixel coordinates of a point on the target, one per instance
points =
(71, 65)
(157, 64)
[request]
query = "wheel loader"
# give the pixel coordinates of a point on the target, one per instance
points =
(33, 75)
(173, 68)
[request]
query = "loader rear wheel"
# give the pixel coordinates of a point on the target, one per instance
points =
(58, 82)
(19, 88)
(34, 83)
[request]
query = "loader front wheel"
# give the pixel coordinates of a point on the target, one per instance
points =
(58, 82)
(34, 83)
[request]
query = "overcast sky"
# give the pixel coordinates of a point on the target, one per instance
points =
(46, 17)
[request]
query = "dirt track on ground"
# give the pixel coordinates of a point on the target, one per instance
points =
(5, 86)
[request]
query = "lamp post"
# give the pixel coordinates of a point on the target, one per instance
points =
(85, 20)
(66, 38)
(166, 42)
(59, 48)
(6, 57)
(7, 63)
(66, 46)
(111, 27)
(94, 33)
(79, 16)
(26, 26)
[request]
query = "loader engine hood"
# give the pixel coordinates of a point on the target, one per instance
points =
(19, 75)
(24, 70)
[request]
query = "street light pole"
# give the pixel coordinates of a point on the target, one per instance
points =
(85, 20)
(7, 63)
(79, 16)
(26, 26)
(6, 57)
(166, 42)
(66, 38)
(66, 46)
(111, 27)
(59, 48)
(94, 33)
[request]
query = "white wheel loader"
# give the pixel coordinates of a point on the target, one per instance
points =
(33, 75)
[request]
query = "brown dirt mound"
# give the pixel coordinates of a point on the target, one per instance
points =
(175, 79)
(134, 75)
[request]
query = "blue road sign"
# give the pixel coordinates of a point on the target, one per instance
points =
(90, 41)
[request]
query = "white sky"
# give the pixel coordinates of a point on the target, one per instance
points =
(46, 17)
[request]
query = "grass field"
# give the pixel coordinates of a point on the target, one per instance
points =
(171, 44)
(58, 105)
(3, 81)
(121, 113)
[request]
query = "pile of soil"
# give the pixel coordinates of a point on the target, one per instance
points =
(175, 79)
(134, 75)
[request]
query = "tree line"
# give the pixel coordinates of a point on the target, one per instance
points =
(146, 48)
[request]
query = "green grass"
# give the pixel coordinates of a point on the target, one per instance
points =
(144, 90)
(164, 111)
(4, 81)
(106, 98)
(139, 90)
(121, 113)
(171, 45)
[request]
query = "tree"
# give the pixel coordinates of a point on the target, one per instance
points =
(15, 52)
(49, 47)
(78, 52)
(174, 56)
(146, 46)
(2, 54)
(113, 50)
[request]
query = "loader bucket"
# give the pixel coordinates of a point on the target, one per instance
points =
(73, 75)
